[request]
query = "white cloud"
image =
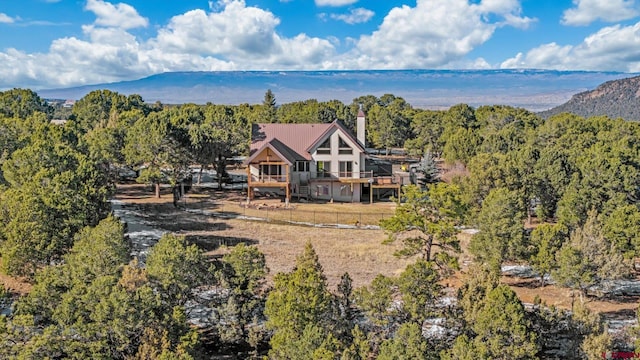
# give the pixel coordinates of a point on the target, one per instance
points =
(587, 11)
(120, 15)
(335, 2)
(235, 37)
(614, 48)
(242, 35)
(433, 34)
(230, 35)
(6, 19)
(355, 16)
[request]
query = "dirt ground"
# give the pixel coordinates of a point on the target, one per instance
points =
(359, 252)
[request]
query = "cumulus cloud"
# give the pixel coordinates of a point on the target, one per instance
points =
(243, 35)
(615, 48)
(6, 19)
(585, 12)
(355, 16)
(120, 15)
(234, 37)
(335, 2)
(433, 34)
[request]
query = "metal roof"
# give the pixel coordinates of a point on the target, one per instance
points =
(293, 140)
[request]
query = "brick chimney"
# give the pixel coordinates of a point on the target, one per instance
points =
(361, 127)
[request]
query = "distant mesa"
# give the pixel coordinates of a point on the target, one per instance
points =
(535, 90)
(615, 99)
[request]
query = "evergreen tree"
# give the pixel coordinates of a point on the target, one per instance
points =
(269, 110)
(589, 258)
(243, 274)
(500, 330)
(176, 268)
(428, 220)
(408, 343)
(501, 229)
(298, 307)
(546, 239)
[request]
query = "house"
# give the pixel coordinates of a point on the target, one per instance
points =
(320, 161)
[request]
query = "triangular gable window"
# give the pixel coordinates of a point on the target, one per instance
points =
(325, 147)
(343, 147)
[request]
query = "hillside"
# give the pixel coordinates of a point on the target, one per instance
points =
(535, 90)
(615, 98)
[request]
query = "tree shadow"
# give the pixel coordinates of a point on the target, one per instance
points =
(136, 191)
(616, 299)
(529, 283)
(622, 314)
(201, 223)
(213, 242)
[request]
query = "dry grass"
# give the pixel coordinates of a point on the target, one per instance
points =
(359, 252)
(356, 251)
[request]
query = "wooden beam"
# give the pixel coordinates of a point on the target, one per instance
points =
(269, 163)
(371, 194)
(288, 190)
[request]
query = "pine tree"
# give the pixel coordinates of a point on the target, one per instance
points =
(269, 110)
(428, 220)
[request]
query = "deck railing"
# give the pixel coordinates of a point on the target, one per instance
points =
(342, 174)
(264, 178)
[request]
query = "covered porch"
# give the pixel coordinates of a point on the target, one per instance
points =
(269, 168)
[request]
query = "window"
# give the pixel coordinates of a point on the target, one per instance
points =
(270, 172)
(325, 147)
(301, 166)
(345, 190)
(346, 169)
(322, 190)
(344, 148)
(323, 169)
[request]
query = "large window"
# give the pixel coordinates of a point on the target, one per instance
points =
(346, 169)
(301, 166)
(323, 169)
(270, 173)
(344, 148)
(325, 147)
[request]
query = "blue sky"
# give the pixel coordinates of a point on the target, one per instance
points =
(62, 43)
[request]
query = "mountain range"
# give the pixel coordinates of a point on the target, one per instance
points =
(535, 90)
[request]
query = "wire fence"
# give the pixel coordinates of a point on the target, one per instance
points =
(345, 219)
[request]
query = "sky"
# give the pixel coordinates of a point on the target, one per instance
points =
(63, 43)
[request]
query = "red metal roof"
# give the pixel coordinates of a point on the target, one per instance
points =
(293, 140)
(297, 137)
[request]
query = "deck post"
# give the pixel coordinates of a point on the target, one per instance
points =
(370, 193)
(249, 193)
